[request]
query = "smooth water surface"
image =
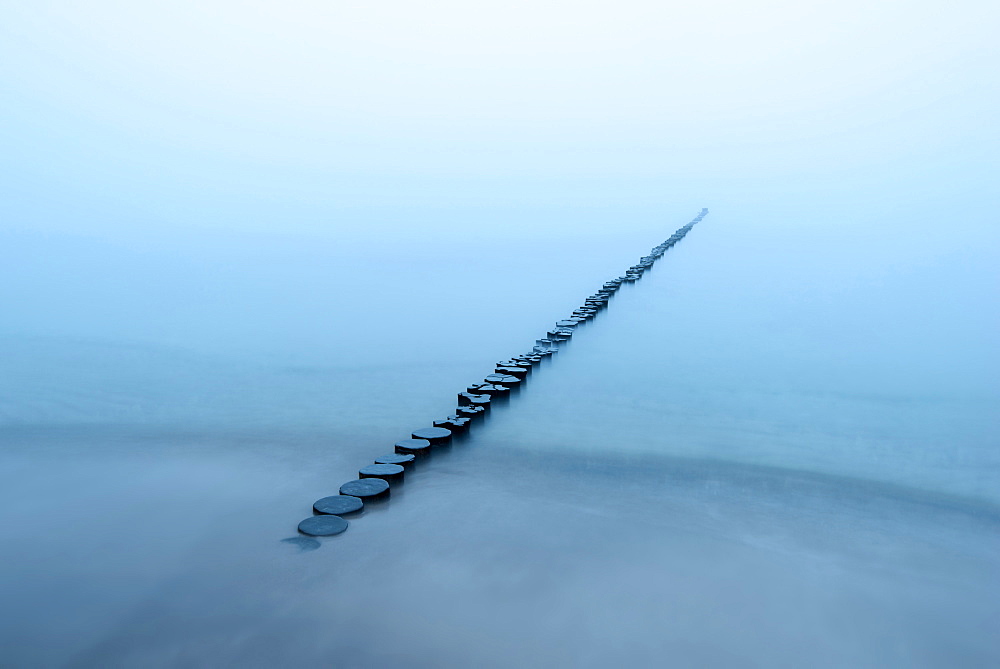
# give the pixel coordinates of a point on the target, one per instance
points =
(767, 452)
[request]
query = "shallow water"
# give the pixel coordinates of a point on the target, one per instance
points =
(764, 453)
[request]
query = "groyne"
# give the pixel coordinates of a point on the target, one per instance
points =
(376, 479)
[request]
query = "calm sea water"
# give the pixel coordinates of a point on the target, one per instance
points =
(779, 448)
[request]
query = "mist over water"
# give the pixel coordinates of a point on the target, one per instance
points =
(247, 248)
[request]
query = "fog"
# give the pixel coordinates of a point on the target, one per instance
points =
(245, 247)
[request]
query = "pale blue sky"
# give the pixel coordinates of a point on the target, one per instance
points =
(228, 113)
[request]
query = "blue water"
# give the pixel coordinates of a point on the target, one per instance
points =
(779, 448)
